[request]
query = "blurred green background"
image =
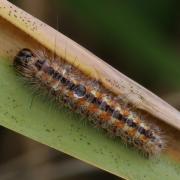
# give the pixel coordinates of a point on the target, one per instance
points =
(139, 38)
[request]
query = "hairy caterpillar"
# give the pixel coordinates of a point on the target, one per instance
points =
(71, 87)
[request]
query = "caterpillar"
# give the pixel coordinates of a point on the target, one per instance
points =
(74, 89)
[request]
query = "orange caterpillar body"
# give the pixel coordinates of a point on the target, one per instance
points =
(89, 97)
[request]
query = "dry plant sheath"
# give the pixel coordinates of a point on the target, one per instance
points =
(98, 79)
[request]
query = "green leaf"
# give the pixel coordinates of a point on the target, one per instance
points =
(35, 117)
